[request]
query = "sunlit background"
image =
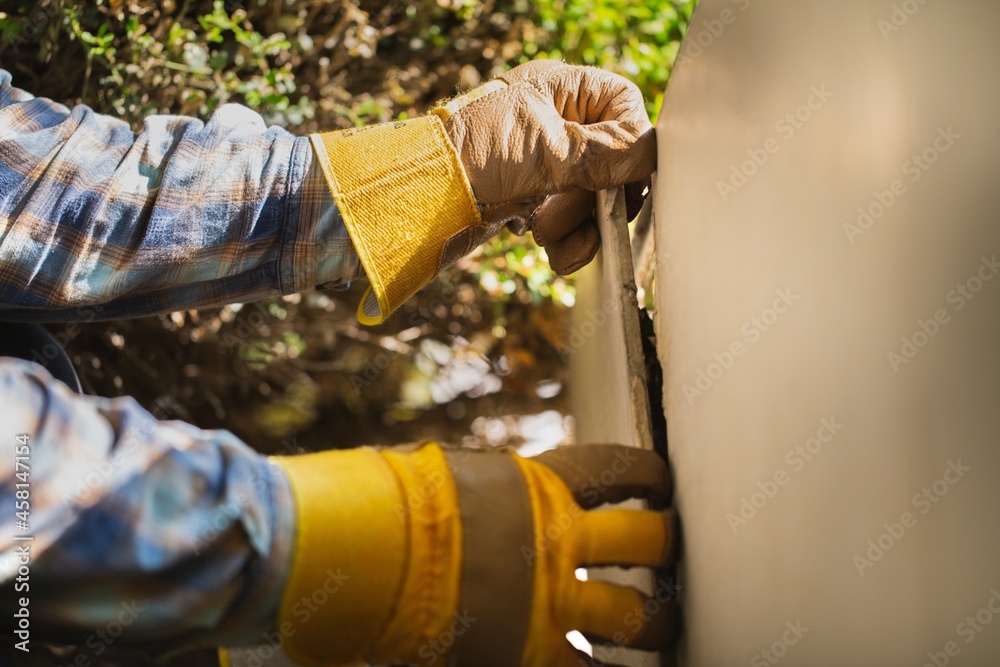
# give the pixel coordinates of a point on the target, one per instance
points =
(475, 357)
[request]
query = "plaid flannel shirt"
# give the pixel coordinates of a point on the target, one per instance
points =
(143, 533)
(182, 531)
(184, 214)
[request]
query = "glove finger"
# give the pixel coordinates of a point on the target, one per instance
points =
(576, 250)
(597, 134)
(629, 537)
(598, 95)
(583, 94)
(597, 474)
(514, 215)
(559, 215)
(599, 156)
(611, 140)
(622, 615)
(635, 195)
(661, 633)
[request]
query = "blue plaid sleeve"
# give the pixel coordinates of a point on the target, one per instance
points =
(183, 533)
(181, 215)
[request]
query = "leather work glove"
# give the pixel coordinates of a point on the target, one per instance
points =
(587, 129)
(467, 557)
(527, 150)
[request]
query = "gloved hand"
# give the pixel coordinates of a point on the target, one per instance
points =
(553, 128)
(527, 149)
(459, 557)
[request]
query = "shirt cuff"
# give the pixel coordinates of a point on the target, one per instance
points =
(255, 613)
(316, 248)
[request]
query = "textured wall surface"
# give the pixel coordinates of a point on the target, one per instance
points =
(828, 295)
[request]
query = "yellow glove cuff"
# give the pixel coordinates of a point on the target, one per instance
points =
(377, 556)
(403, 195)
(450, 107)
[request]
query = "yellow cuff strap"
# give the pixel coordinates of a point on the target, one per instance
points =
(449, 108)
(547, 510)
(429, 598)
(377, 556)
(402, 193)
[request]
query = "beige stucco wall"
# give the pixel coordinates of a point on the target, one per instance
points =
(828, 228)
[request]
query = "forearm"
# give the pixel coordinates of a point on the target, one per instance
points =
(99, 222)
(185, 532)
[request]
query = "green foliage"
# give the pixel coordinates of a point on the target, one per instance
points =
(143, 56)
(303, 65)
(216, 58)
(294, 366)
(637, 39)
(516, 267)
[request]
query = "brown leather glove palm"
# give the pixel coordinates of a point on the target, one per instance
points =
(527, 149)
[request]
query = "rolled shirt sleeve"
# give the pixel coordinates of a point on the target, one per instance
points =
(182, 215)
(185, 533)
